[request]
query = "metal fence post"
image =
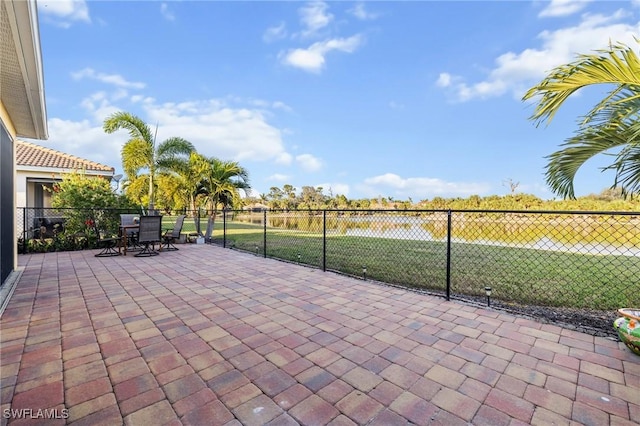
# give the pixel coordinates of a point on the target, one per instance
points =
(448, 254)
(264, 241)
(24, 231)
(324, 240)
(224, 228)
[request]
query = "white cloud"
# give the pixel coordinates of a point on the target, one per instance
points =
(282, 106)
(423, 187)
(278, 177)
(275, 33)
(557, 8)
(64, 13)
(113, 79)
(84, 139)
(166, 13)
(314, 17)
(361, 13)
(240, 133)
(444, 80)
(284, 158)
(335, 188)
(312, 59)
(308, 162)
(395, 105)
(99, 105)
(514, 72)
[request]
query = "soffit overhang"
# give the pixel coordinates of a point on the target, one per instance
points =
(21, 71)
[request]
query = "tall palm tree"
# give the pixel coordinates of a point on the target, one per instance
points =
(140, 152)
(612, 125)
(222, 183)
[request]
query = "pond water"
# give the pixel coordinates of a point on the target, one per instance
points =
(531, 233)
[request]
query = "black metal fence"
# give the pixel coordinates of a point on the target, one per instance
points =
(576, 267)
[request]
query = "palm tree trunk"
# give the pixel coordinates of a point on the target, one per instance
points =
(151, 194)
(211, 220)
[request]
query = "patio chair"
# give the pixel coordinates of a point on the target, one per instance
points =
(171, 235)
(149, 234)
(130, 234)
(110, 244)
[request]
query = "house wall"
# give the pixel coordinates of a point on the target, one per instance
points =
(8, 246)
(25, 187)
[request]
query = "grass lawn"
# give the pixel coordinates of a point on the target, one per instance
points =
(520, 275)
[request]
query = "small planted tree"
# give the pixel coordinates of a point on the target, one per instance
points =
(84, 199)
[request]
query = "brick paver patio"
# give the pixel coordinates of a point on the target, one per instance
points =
(211, 336)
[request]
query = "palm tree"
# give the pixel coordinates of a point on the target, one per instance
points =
(189, 176)
(222, 183)
(612, 125)
(141, 153)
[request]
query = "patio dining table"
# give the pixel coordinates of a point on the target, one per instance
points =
(124, 232)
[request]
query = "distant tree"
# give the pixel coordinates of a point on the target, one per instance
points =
(275, 198)
(290, 197)
(513, 186)
(312, 198)
(342, 202)
(140, 152)
(609, 194)
(613, 124)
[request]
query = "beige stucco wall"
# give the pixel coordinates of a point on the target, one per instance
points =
(4, 117)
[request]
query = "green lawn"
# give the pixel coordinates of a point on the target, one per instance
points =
(518, 275)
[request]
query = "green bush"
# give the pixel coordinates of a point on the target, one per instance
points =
(85, 200)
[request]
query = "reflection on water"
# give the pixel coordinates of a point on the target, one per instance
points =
(577, 234)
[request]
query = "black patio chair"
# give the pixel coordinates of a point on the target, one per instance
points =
(130, 234)
(172, 235)
(149, 234)
(110, 244)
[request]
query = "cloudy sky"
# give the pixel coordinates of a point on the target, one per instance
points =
(365, 99)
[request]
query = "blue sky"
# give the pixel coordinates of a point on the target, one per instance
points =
(366, 99)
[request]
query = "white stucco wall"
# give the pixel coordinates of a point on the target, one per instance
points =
(22, 188)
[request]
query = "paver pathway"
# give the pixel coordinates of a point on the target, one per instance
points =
(211, 336)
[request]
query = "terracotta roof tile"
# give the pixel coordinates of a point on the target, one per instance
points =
(32, 155)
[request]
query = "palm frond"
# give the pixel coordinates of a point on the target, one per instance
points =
(174, 146)
(627, 168)
(137, 128)
(137, 154)
(564, 164)
(619, 66)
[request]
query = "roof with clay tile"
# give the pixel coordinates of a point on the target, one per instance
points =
(32, 155)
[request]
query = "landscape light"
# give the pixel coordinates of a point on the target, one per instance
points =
(299, 257)
(487, 290)
(364, 272)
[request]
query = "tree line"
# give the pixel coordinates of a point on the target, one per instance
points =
(314, 198)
